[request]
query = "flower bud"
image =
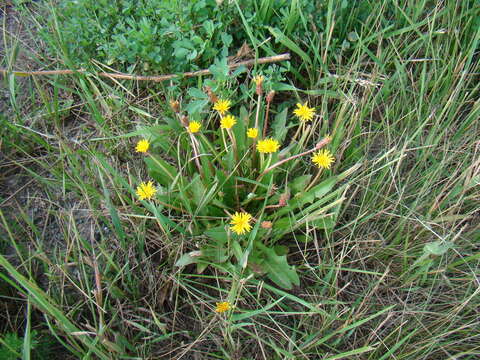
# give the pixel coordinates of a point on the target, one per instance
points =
(184, 120)
(258, 80)
(213, 98)
(266, 224)
(270, 96)
(175, 105)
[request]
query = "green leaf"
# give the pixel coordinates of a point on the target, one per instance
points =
(237, 250)
(249, 314)
(160, 170)
(240, 130)
(283, 224)
(227, 184)
(197, 189)
(300, 183)
(226, 39)
(113, 211)
(281, 249)
(219, 234)
(196, 106)
(239, 70)
(181, 53)
(209, 27)
(324, 187)
(197, 93)
(279, 36)
(216, 254)
(437, 248)
(324, 223)
(279, 126)
(298, 201)
(201, 266)
(11, 347)
(220, 69)
(187, 259)
(278, 270)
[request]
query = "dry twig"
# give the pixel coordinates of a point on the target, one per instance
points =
(156, 78)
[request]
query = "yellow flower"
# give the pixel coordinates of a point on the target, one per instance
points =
(223, 306)
(142, 146)
(222, 106)
(303, 112)
(258, 80)
(146, 190)
(240, 223)
(252, 133)
(323, 159)
(194, 126)
(227, 122)
(268, 146)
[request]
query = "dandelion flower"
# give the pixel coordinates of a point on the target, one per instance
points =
(241, 223)
(194, 126)
(252, 133)
(227, 122)
(268, 146)
(323, 159)
(222, 106)
(142, 146)
(146, 191)
(223, 306)
(258, 80)
(303, 112)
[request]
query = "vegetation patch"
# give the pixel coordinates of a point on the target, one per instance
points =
(321, 208)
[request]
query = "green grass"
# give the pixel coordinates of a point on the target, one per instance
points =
(397, 278)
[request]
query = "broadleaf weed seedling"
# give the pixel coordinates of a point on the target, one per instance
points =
(227, 172)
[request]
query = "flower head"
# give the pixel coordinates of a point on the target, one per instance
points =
(323, 159)
(222, 106)
(258, 80)
(142, 146)
(194, 126)
(146, 191)
(241, 223)
(252, 133)
(223, 306)
(303, 112)
(227, 122)
(268, 146)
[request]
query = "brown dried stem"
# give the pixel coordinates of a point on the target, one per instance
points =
(156, 78)
(319, 145)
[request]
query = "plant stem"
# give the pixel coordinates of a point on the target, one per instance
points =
(195, 152)
(257, 115)
(265, 123)
(314, 180)
(265, 60)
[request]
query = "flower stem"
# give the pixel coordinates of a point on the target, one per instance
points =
(319, 145)
(195, 152)
(224, 142)
(258, 110)
(265, 123)
(161, 166)
(234, 144)
(314, 180)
